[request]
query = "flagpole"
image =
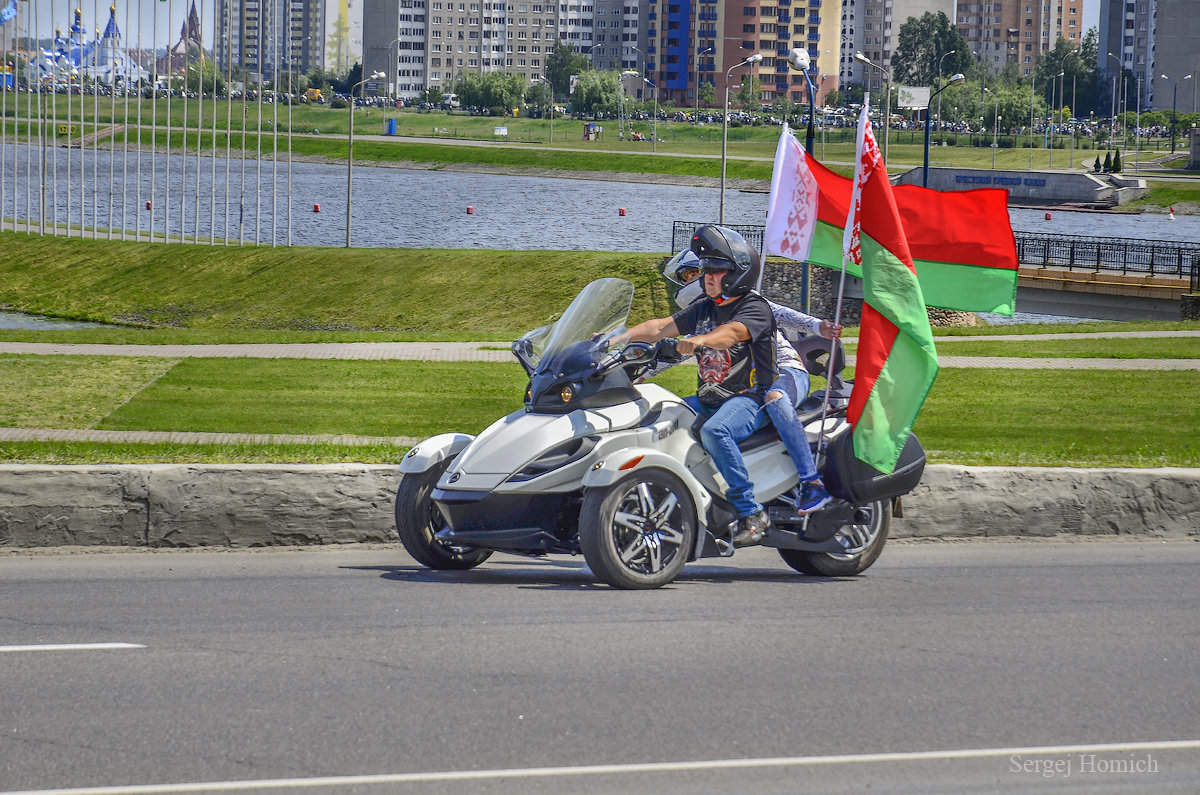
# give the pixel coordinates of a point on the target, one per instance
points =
(864, 120)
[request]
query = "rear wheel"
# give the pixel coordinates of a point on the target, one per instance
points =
(418, 521)
(638, 532)
(865, 541)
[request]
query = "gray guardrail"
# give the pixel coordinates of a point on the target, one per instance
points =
(243, 505)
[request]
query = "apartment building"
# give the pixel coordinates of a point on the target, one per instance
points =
(1019, 30)
(872, 27)
(1156, 41)
(690, 42)
(269, 35)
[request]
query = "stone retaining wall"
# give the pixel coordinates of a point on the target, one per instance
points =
(179, 505)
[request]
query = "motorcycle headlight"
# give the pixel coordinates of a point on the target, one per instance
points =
(567, 393)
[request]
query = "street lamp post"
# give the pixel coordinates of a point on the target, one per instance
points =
(1174, 95)
(696, 115)
(394, 69)
(939, 75)
(546, 80)
(350, 150)
(654, 127)
(1032, 93)
(887, 97)
(1112, 124)
(753, 59)
(953, 81)
(995, 133)
(1052, 119)
(800, 61)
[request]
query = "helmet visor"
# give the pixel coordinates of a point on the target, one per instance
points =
(714, 265)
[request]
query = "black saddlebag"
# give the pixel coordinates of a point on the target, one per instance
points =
(849, 479)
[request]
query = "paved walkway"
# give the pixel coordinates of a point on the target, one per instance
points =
(478, 352)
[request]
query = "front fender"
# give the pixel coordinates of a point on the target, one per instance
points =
(429, 453)
(616, 465)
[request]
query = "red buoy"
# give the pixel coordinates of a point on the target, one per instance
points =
(470, 210)
(1047, 216)
(316, 208)
(621, 212)
(147, 205)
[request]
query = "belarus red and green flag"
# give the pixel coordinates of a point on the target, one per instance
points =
(896, 362)
(961, 242)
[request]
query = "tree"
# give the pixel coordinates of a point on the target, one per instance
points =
(498, 91)
(1097, 167)
(748, 94)
(833, 99)
(596, 92)
(921, 45)
(706, 94)
(203, 81)
(561, 64)
(1116, 163)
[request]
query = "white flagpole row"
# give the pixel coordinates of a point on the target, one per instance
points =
(77, 60)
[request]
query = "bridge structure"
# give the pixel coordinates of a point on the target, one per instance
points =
(1102, 278)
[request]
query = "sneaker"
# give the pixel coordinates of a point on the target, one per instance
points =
(813, 497)
(751, 529)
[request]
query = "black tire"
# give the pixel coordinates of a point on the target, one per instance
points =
(867, 539)
(639, 532)
(418, 519)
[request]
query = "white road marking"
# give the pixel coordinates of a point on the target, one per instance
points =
(603, 770)
(73, 647)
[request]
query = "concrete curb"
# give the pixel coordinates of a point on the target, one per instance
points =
(242, 505)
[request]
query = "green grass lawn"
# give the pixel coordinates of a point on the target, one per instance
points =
(974, 417)
(454, 293)
(1124, 348)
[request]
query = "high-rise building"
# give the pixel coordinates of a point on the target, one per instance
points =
(690, 42)
(872, 27)
(1019, 30)
(1155, 41)
(269, 35)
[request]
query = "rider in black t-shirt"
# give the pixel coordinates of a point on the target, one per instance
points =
(733, 338)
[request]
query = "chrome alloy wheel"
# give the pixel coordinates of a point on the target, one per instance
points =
(646, 528)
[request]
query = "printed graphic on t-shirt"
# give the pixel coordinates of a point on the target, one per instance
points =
(714, 365)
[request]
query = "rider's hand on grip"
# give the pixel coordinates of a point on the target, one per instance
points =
(667, 351)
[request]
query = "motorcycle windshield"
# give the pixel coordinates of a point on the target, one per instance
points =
(600, 310)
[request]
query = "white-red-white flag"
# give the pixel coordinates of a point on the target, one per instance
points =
(792, 210)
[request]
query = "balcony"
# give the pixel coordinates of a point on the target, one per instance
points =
(814, 20)
(652, 15)
(784, 18)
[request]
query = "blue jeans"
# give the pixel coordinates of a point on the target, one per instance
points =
(793, 383)
(723, 428)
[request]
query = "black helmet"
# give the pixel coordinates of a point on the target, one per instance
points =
(722, 249)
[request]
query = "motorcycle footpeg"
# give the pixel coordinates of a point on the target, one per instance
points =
(724, 542)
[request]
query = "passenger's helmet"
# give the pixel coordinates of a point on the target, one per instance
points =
(722, 249)
(676, 272)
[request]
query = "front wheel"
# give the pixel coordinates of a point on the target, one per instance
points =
(638, 532)
(865, 542)
(418, 521)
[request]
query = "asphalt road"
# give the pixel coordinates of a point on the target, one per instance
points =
(945, 668)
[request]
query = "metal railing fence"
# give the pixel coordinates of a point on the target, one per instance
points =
(1107, 254)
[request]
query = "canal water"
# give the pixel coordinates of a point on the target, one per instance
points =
(392, 207)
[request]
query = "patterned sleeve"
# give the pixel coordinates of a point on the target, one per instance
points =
(788, 318)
